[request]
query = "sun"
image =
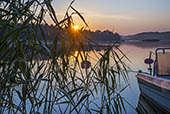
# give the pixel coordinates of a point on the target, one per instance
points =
(76, 27)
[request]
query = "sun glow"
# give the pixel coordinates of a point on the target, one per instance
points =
(76, 53)
(75, 27)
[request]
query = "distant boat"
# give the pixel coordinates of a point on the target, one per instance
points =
(155, 86)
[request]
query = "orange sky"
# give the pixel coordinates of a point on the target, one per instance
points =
(123, 16)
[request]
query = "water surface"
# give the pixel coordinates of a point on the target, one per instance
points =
(137, 52)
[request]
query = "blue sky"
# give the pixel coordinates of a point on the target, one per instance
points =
(124, 16)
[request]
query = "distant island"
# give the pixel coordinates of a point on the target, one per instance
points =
(148, 37)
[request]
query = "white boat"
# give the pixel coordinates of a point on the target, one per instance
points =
(155, 86)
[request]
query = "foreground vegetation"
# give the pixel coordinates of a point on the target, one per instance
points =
(31, 84)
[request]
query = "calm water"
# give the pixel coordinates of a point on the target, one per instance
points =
(136, 52)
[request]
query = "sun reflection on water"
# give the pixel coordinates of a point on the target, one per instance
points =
(76, 54)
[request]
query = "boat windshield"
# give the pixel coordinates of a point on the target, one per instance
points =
(163, 62)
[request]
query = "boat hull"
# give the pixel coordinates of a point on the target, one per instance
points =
(145, 107)
(155, 90)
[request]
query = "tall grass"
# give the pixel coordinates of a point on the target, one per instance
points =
(31, 84)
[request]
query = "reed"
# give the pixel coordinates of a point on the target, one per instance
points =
(31, 84)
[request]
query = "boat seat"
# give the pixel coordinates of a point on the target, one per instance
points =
(163, 63)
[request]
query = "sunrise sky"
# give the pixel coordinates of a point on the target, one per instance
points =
(123, 16)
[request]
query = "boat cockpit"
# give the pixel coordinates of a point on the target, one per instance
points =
(161, 66)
